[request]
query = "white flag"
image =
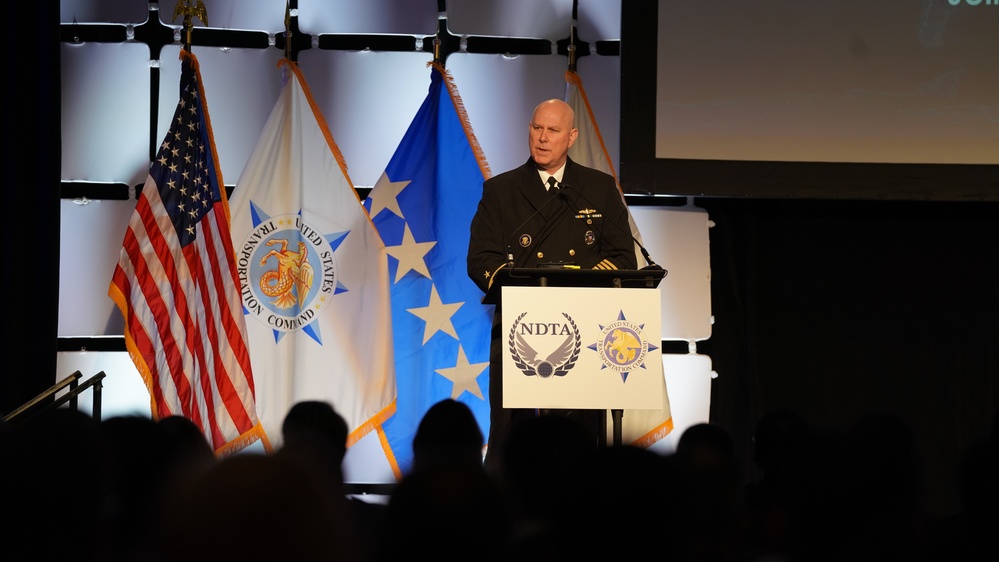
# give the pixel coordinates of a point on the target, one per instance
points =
(314, 273)
(638, 427)
(589, 149)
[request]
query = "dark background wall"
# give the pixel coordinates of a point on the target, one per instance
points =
(31, 201)
(843, 309)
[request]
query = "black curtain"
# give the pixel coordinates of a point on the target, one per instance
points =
(840, 309)
(32, 152)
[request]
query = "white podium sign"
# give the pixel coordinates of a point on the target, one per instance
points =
(582, 348)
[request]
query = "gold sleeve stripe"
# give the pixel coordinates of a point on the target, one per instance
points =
(605, 264)
(493, 275)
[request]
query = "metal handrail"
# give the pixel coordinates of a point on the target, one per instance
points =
(70, 381)
(71, 397)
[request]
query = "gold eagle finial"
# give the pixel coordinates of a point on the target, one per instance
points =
(190, 9)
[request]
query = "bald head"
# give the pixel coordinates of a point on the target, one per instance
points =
(551, 134)
(561, 109)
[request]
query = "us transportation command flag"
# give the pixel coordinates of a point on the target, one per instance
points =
(642, 428)
(176, 285)
(314, 272)
(422, 206)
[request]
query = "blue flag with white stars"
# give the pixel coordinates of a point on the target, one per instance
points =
(422, 207)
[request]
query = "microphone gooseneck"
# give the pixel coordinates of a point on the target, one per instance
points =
(509, 247)
(645, 253)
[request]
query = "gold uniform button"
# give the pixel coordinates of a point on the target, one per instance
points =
(541, 255)
(572, 252)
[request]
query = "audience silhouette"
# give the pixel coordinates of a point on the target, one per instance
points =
(852, 493)
(448, 434)
(189, 452)
(447, 507)
(538, 474)
(128, 488)
(255, 507)
(314, 437)
(315, 434)
(970, 534)
(777, 443)
(57, 475)
(139, 452)
(711, 496)
(624, 506)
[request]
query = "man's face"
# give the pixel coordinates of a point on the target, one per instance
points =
(551, 135)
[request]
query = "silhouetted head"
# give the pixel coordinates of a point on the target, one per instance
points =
(448, 433)
(318, 423)
(777, 432)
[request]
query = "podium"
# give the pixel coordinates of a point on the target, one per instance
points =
(580, 339)
(571, 277)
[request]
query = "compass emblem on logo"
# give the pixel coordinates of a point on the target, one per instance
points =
(622, 346)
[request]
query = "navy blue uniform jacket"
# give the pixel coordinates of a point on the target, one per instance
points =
(587, 225)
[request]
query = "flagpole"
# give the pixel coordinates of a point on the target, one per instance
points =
(437, 42)
(572, 37)
(287, 30)
(190, 11)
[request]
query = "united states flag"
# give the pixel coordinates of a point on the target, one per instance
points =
(176, 285)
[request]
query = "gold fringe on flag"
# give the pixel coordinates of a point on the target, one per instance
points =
(459, 108)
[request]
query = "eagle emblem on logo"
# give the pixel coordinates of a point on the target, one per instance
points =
(556, 364)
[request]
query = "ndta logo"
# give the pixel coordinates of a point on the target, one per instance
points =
(529, 342)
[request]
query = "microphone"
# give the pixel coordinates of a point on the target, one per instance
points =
(509, 248)
(645, 253)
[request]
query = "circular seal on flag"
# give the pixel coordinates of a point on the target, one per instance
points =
(287, 272)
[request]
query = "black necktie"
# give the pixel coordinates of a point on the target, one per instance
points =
(552, 183)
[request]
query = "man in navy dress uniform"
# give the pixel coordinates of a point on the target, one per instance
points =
(549, 212)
